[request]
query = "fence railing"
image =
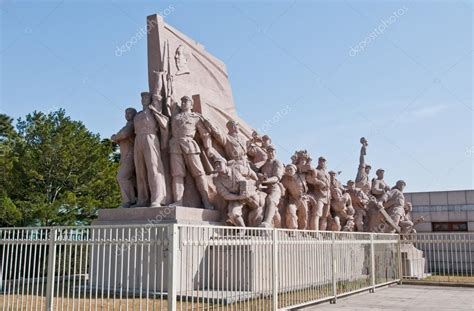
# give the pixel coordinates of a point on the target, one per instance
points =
(175, 267)
(438, 257)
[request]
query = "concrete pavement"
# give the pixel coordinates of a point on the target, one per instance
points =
(406, 298)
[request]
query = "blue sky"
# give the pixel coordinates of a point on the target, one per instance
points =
(314, 75)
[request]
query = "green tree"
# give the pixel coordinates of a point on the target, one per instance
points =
(61, 172)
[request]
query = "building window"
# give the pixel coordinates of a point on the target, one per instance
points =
(449, 226)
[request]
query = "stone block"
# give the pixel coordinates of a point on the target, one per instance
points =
(456, 197)
(439, 198)
(470, 215)
(457, 216)
(439, 216)
(470, 226)
(470, 196)
(420, 198)
(158, 215)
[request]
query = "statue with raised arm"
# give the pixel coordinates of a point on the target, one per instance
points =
(362, 180)
(234, 143)
(185, 153)
(148, 125)
(126, 175)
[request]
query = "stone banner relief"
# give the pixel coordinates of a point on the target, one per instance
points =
(187, 148)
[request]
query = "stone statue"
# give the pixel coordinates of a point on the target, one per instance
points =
(235, 145)
(181, 61)
(239, 192)
(362, 180)
(320, 190)
(269, 178)
(185, 153)
(297, 200)
(255, 152)
(151, 185)
(342, 212)
(379, 187)
(395, 205)
(126, 175)
(407, 225)
(359, 202)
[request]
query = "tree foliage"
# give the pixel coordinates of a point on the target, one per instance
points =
(56, 172)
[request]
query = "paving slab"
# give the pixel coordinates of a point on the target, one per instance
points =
(406, 298)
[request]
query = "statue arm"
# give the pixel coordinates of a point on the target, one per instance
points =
(204, 134)
(124, 133)
(226, 194)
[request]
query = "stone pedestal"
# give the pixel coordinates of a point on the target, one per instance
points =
(158, 215)
(413, 262)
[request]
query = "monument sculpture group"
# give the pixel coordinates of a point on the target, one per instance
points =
(187, 147)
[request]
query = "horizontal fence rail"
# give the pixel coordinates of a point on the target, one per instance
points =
(438, 257)
(187, 267)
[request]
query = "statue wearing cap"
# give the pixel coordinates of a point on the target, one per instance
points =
(296, 198)
(185, 153)
(379, 187)
(359, 202)
(240, 192)
(125, 138)
(235, 145)
(319, 182)
(148, 124)
(269, 177)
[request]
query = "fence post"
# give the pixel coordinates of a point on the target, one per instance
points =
(372, 262)
(173, 246)
(400, 270)
(51, 269)
(275, 270)
(333, 267)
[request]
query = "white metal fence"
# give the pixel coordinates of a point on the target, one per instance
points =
(176, 267)
(438, 257)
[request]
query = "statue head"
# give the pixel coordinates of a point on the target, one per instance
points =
(350, 184)
(266, 141)
(186, 103)
(270, 152)
(232, 126)
(364, 141)
(290, 169)
(130, 113)
(322, 162)
(146, 99)
(400, 185)
(380, 173)
(367, 169)
(220, 165)
(332, 175)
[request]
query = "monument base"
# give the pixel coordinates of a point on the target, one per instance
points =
(159, 215)
(413, 262)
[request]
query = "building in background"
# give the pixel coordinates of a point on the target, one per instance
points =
(444, 211)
